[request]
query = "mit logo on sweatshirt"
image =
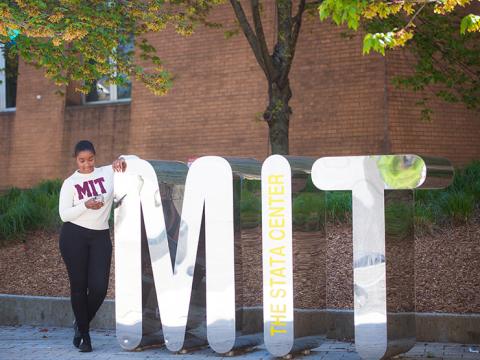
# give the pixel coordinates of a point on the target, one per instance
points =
(90, 187)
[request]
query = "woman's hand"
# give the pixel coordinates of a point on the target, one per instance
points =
(93, 205)
(119, 165)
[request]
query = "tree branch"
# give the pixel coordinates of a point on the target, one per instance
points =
(249, 34)
(282, 55)
(410, 23)
(291, 40)
(449, 53)
(284, 21)
(313, 4)
(297, 23)
(257, 20)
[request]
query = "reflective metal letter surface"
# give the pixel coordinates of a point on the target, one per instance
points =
(383, 327)
(209, 184)
(281, 306)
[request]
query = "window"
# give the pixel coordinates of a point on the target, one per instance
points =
(101, 91)
(8, 78)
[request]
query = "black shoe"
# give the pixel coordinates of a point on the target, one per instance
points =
(86, 345)
(77, 337)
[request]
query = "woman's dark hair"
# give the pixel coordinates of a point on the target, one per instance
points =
(83, 145)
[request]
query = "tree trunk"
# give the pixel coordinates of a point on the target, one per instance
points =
(277, 116)
(276, 67)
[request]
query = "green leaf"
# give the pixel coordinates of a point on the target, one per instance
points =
(367, 44)
(465, 24)
(323, 11)
(470, 22)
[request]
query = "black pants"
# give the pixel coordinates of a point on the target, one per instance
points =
(87, 254)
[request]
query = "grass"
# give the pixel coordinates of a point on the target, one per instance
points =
(453, 205)
(250, 206)
(31, 209)
(37, 208)
(308, 210)
(339, 206)
(398, 219)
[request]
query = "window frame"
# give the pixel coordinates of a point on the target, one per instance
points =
(113, 92)
(113, 97)
(3, 83)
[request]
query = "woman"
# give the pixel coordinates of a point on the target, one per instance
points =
(85, 202)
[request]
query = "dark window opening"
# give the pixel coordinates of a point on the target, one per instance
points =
(9, 76)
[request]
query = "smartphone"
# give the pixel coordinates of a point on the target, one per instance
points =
(98, 198)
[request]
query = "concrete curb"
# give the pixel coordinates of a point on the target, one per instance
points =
(49, 311)
(57, 311)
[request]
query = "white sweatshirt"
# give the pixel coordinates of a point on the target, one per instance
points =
(78, 188)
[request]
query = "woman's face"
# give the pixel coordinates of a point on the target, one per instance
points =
(85, 161)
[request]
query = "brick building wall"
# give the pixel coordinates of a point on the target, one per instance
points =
(36, 134)
(107, 126)
(338, 102)
(218, 91)
(6, 125)
(343, 103)
(452, 132)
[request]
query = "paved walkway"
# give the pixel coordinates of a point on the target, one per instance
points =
(28, 343)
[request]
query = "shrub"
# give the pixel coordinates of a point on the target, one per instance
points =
(424, 218)
(37, 208)
(339, 206)
(309, 211)
(250, 208)
(398, 220)
(458, 206)
(469, 180)
(31, 209)
(454, 204)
